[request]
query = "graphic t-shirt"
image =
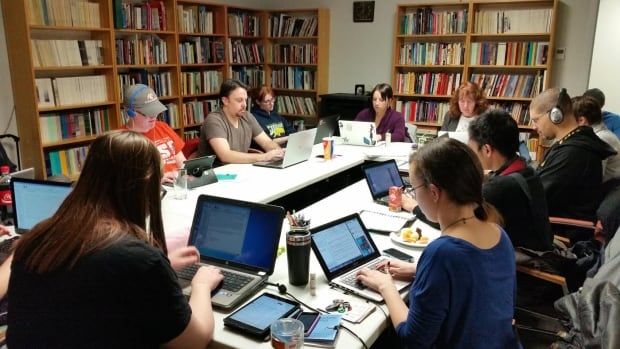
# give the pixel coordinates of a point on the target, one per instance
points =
(167, 142)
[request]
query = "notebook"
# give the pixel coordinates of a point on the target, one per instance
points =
(33, 201)
(241, 238)
(327, 127)
(383, 222)
(344, 246)
(298, 149)
(358, 133)
(380, 176)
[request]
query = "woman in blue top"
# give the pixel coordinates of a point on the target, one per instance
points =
(464, 287)
(274, 125)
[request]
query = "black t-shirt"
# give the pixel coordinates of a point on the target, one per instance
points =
(124, 296)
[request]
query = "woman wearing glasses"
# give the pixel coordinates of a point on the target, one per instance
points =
(274, 125)
(464, 287)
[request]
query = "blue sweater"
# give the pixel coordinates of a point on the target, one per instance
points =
(462, 297)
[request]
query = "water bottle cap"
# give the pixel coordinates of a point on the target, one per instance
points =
(5, 169)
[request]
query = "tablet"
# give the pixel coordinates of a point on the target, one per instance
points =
(255, 318)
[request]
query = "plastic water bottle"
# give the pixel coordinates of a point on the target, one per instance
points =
(5, 177)
(5, 193)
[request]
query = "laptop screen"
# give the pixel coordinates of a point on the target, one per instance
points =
(343, 243)
(34, 201)
(381, 176)
(237, 232)
(524, 152)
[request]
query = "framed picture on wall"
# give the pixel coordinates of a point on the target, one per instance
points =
(359, 90)
(363, 11)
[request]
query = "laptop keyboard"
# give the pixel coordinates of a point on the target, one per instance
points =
(351, 279)
(7, 245)
(232, 281)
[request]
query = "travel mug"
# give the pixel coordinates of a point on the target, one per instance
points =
(298, 255)
(287, 333)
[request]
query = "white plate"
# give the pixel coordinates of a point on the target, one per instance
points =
(427, 231)
(399, 240)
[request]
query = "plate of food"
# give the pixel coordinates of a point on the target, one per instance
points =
(416, 235)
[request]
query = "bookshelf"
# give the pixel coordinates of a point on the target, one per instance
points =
(504, 46)
(62, 52)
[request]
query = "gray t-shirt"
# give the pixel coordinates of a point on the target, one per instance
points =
(216, 125)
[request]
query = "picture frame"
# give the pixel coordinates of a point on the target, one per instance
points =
(359, 89)
(363, 11)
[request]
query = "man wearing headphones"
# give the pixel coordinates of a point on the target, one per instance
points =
(142, 108)
(571, 171)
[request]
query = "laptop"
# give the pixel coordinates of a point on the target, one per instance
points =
(343, 247)
(327, 127)
(33, 201)
(25, 173)
(380, 176)
(298, 149)
(461, 136)
(358, 133)
(524, 152)
(241, 238)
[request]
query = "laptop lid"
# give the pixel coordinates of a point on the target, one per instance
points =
(343, 245)
(25, 173)
(299, 147)
(241, 234)
(327, 127)
(380, 176)
(358, 132)
(524, 152)
(35, 200)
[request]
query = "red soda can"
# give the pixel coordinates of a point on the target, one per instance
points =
(395, 198)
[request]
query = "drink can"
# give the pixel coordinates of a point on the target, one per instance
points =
(395, 198)
(328, 148)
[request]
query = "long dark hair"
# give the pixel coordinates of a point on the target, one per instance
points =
(454, 168)
(117, 190)
(386, 93)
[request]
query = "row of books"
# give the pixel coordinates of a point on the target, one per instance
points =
(66, 162)
(294, 53)
(490, 21)
(149, 15)
(200, 82)
(428, 83)
(66, 53)
(293, 78)
(160, 82)
(432, 53)
(171, 116)
(295, 105)
(251, 76)
(195, 50)
(250, 53)
(509, 53)
(195, 19)
(190, 134)
(195, 112)
(141, 50)
(428, 21)
(284, 25)
(243, 24)
(65, 91)
(510, 85)
(69, 13)
(519, 111)
(423, 110)
(56, 127)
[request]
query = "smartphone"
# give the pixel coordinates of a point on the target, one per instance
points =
(309, 320)
(392, 252)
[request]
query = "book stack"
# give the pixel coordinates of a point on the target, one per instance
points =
(295, 105)
(510, 85)
(53, 92)
(293, 78)
(150, 15)
(56, 127)
(509, 53)
(66, 162)
(191, 134)
(428, 83)
(519, 111)
(171, 116)
(141, 50)
(250, 53)
(294, 53)
(428, 21)
(490, 21)
(423, 111)
(66, 53)
(197, 50)
(432, 53)
(195, 19)
(195, 112)
(68, 13)
(200, 82)
(160, 82)
(251, 76)
(284, 25)
(243, 24)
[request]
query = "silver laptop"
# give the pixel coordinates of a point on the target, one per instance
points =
(298, 149)
(358, 133)
(241, 238)
(25, 173)
(343, 247)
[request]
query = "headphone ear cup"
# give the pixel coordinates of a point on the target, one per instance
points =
(556, 115)
(130, 112)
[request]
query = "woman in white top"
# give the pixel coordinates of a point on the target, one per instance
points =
(466, 103)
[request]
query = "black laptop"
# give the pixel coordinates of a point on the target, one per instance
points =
(380, 176)
(327, 127)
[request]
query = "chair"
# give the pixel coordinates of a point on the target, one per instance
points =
(411, 130)
(191, 147)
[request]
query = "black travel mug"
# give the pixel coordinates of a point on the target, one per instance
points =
(298, 255)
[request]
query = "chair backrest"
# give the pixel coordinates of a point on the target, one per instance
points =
(411, 130)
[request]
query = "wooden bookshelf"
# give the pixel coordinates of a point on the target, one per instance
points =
(499, 58)
(188, 28)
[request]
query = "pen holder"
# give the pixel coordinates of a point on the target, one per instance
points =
(298, 255)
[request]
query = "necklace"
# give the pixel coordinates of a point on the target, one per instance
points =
(460, 220)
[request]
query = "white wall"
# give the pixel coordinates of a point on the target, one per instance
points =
(605, 68)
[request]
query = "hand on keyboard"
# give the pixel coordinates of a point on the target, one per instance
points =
(375, 279)
(401, 270)
(209, 276)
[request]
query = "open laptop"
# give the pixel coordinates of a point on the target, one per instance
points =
(298, 149)
(33, 201)
(380, 176)
(343, 247)
(358, 132)
(327, 127)
(241, 238)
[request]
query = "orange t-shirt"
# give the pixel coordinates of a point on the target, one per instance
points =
(167, 142)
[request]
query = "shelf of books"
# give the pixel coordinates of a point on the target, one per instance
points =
(503, 46)
(297, 69)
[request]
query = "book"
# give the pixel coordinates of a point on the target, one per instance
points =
(382, 221)
(325, 331)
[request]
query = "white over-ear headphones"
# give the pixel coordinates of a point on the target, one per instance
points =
(556, 115)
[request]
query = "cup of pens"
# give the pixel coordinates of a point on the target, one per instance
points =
(298, 249)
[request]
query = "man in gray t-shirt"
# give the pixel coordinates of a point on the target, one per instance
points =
(229, 132)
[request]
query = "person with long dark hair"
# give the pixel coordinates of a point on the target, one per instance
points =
(386, 119)
(463, 295)
(95, 274)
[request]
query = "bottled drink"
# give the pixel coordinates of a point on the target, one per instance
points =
(5, 177)
(5, 192)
